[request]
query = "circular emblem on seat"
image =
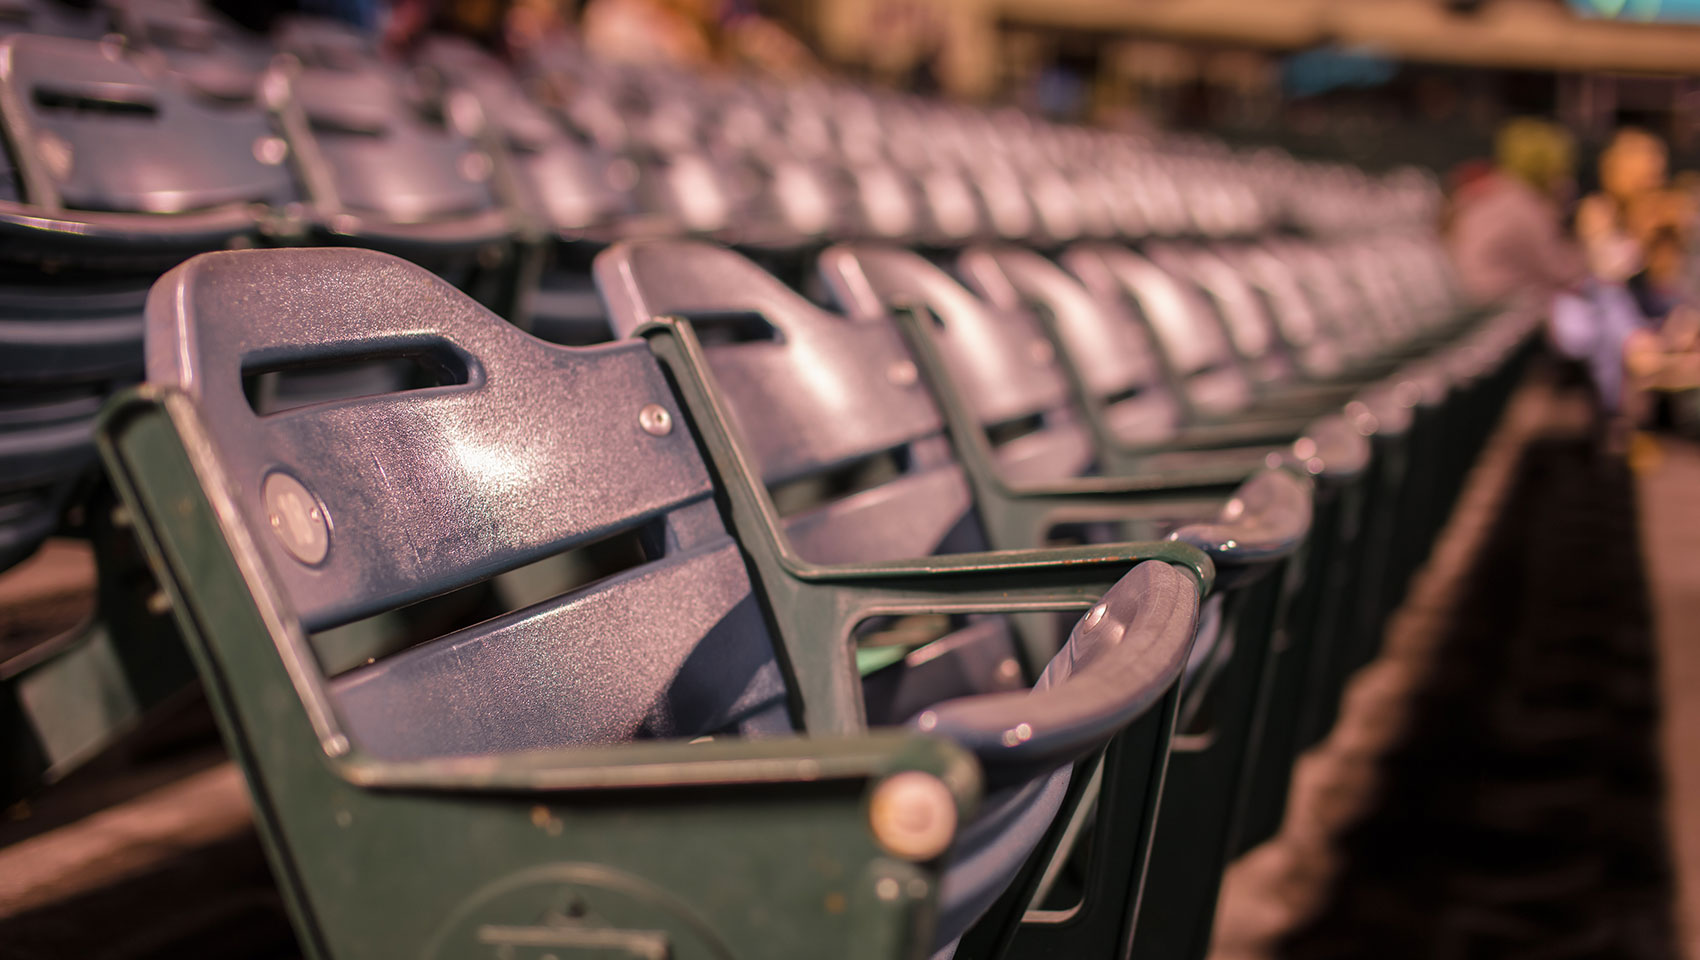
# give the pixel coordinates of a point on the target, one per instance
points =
(297, 518)
(574, 910)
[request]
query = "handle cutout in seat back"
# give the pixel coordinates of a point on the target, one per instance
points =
(121, 100)
(273, 388)
(720, 329)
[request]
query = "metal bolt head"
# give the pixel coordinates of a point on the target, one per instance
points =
(56, 154)
(475, 167)
(621, 175)
(270, 150)
(655, 420)
(913, 815)
(297, 518)
(274, 89)
(1094, 616)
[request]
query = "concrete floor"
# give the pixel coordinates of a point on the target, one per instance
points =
(1668, 483)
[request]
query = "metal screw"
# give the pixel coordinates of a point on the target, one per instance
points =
(1018, 734)
(274, 89)
(475, 167)
(655, 420)
(297, 518)
(56, 153)
(270, 150)
(1093, 616)
(913, 815)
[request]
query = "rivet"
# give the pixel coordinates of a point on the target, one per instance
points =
(274, 90)
(902, 373)
(475, 167)
(913, 815)
(56, 153)
(337, 745)
(270, 150)
(297, 518)
(655, 420)
(1094, 616)
(622, 175)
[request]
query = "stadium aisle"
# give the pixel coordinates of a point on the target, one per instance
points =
(1493, 787)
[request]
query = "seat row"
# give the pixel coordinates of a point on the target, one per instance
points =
(738, 634)
(865, 525)
(505, 179)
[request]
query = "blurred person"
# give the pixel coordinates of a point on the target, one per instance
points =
(649, 31)
(694, 33)
(1638, 231)
(1635, 228)
(1506, 233)
(753, 40)
(1509, 242)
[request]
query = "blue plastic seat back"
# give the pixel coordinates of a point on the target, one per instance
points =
(1291, 307)
(51, 18)
(809, 392)
(521, 451)
(569, 182)
(1000, 360)
(1193, 341)
(100, 134)
(1371, 270)
(391, 152)
(1339, 306)
(1236, 301)
(887, 202)
(954, 207)
(1008, 209)
(1109, 347)
(211, 54)
(107, 135)
(89, 334)
(46, 448)
(61, 352)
